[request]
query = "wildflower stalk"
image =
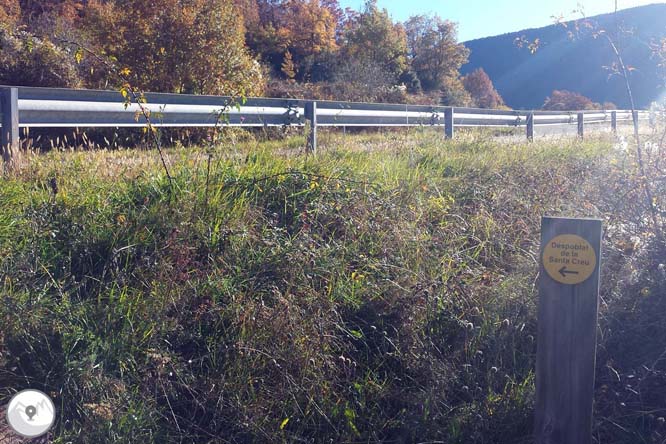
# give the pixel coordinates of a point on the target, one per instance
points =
(130, 94)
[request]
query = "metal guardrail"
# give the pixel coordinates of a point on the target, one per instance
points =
(56, 107)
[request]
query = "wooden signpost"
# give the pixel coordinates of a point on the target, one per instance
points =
(567, 326)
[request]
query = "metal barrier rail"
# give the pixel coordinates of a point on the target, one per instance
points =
(56, 107)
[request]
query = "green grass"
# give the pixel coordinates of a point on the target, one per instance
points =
(381, 291)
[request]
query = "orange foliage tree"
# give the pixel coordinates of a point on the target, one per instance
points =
(562, 100)
(10, 13)
(481, 88)
(305, 29)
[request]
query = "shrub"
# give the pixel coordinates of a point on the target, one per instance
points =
(453, 93)
(27, 60)
(568, 101)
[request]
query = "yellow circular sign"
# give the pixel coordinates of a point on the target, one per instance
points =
(569, 259)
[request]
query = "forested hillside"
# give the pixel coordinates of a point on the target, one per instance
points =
(575, 58)
(315, 49)
(285, 48)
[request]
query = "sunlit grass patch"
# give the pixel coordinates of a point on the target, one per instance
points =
(382, 289)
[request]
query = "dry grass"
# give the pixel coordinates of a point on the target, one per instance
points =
(382, 291)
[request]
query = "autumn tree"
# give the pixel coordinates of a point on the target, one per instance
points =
(37, 12)
(306, 29)
(338, 14)
(174, 46)
(453, 92)
(481, 89)
(561, 100)
(434, 51)
(10, 13)
(288, 68)
(371, 37)
(249, 10)
(28, 57)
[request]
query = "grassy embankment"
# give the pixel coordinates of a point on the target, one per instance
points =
(383, 291)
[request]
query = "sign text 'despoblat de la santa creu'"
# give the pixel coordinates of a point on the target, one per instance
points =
(569, 259)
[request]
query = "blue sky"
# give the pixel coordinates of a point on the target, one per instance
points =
(482, 18)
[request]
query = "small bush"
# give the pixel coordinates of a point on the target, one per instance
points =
(27, 60)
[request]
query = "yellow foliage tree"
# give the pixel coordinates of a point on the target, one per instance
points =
(288, 68)
(307, 28)
(195, 46)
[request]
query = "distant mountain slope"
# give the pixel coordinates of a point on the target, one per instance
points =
(525, 80)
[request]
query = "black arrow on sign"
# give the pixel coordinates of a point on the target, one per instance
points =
(563, 271)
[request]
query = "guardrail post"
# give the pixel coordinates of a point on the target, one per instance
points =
(634, 116)
(311, 116)
(581, 125)
(530, 127)
(448, 123)
(614, 121)
(9, 141)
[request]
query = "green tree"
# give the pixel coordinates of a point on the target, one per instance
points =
(453, 92)
(27, 60)
(371, 37)
(434, 51)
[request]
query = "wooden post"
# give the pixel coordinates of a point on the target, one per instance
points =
(448, 122)
(567, 327)
(311, 116)
(614, 121)
(9, 140)
(530, 127)
(581, 125)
